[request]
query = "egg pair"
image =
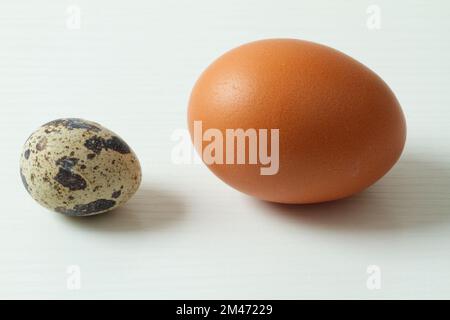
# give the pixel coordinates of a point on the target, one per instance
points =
(282, 120)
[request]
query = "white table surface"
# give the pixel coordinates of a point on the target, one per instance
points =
(187, 235)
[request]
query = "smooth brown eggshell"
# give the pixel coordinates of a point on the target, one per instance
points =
(341, 127)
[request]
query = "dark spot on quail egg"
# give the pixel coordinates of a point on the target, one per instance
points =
(116, 194)
(87, 209)
(70, 180)
(73, 123)
(66, 162)
(42, 144)
(97, 144)
(24, 181)
(118, 145)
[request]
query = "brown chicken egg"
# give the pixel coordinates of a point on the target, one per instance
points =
(293, 121)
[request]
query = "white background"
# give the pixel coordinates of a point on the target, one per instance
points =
(186, 234)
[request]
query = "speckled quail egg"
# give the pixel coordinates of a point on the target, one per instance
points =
(79, 168)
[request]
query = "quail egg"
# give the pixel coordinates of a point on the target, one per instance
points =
(79, 168)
